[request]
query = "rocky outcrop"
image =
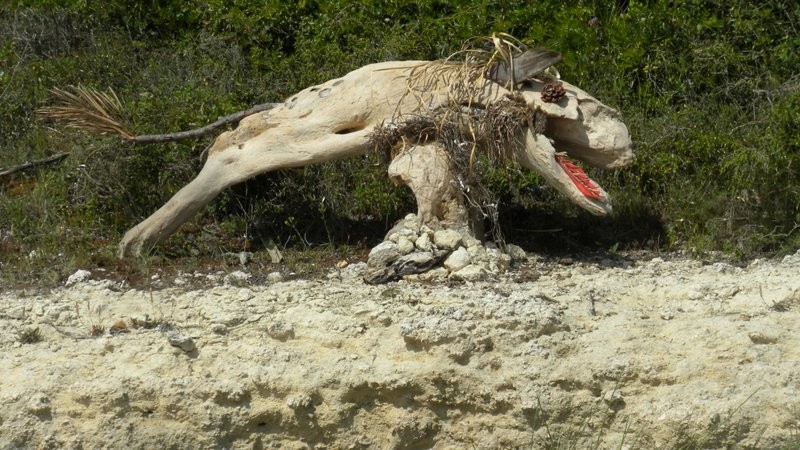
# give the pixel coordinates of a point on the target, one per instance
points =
(432, 252)
(600, 353)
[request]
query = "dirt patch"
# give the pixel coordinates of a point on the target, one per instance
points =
(604, 350)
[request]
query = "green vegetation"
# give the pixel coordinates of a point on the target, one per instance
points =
(709, 90)
(30, 335)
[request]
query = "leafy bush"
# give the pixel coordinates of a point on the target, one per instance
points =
(709, 91)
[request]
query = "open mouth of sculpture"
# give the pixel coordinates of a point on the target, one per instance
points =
(588, 187)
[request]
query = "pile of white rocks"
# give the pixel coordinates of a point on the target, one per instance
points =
(432, 252)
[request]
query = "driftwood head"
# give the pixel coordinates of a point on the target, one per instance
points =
(577, 126)
(514, 110)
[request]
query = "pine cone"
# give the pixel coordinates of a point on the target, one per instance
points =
(553, 92)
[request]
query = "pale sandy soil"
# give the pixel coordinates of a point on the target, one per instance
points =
(606, 351)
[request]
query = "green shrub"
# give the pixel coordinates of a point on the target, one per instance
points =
(709, 91)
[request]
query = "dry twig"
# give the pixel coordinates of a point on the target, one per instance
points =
(197, 132)
(28, 165)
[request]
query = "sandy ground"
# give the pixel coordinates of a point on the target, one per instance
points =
(616, 352)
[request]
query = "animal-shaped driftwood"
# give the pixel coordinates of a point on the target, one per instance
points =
(431, 117)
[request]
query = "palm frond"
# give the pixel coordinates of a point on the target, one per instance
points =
(87, 109)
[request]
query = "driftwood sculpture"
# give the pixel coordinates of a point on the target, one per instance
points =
(431, 117)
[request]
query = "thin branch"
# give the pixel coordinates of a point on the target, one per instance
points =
(197, 132)
(28, 165)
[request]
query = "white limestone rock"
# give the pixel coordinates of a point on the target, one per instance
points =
(80, 276)
(457, 260)
(471, 272)
(447, 239)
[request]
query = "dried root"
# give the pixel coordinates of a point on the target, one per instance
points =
(466, 134)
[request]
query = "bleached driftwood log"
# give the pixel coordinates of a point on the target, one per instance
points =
(341, 118)
(426, 170)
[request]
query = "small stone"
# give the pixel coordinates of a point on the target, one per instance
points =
(408, 226)
(183, 342)
(412, 222)
(378, 275)
(728, 292)
(383, 254)
(516, 253)
(142, 321)
(228, 392)
(791, 259)
(80, 276)
(280, 330)
(457, 260)
(429, 229)
(219, 328)
(333, 275)
(424, 242)
(401, 232)
(614, 399)
(213, 278)
(301, 401)
(353, 270)
(119, 327)
(275, 277)
(498, 261)
(436, 275)
(447, 239)
(471, 242)
(394, 231)
(237, 278)
(16, 312)
(414, 263)
(694, 295)
(405, 245)
(38, 404)
(762, 338)
(245, 294)
(471, 272)
(476, 252)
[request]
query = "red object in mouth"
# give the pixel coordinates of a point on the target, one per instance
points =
(581, 180)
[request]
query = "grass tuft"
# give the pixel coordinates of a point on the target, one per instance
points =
(30, 335)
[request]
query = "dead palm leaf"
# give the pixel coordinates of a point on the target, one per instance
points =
(87, 109)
